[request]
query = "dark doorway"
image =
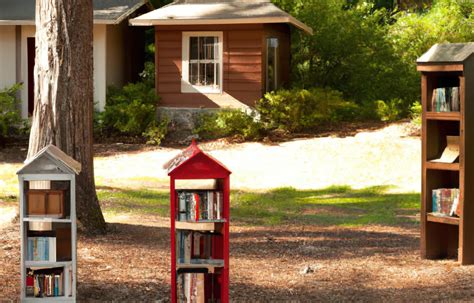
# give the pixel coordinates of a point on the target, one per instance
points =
(31, 79)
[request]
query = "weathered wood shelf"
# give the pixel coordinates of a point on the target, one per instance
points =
(200, 226)
(448, 116)
(442, 166)
(431, 217)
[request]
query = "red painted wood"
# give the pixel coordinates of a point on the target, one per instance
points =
(198, 165)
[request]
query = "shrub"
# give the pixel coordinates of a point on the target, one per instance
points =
(10, 117)
(156, 132)
(228, 122)
(301, 109)
(129, 110)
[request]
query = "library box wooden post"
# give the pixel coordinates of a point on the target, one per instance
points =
(199, 193)
(48, 226)
(447, 203)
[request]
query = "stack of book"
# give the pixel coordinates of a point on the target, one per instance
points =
(41, 249)
(194, 247)
(445, 99)
(199, 206)
(446, 201)
(45, 283)
(192, 288)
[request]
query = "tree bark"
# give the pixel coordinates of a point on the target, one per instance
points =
(63, 92)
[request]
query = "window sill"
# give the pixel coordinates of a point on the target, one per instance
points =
(187, 88)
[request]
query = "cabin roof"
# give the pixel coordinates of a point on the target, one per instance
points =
(197, 12)
(55, 155)
(447, 53)
(22, 12)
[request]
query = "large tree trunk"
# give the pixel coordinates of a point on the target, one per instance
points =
(64, 94)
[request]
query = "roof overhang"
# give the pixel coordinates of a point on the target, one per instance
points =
(290, 20)
(100, 16)
(214, 13)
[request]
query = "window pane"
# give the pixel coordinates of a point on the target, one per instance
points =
(204, 61)
(193, 73)
(193, 48)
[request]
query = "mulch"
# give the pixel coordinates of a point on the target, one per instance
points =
(273, 263)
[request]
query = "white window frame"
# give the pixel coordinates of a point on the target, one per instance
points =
(186, 86)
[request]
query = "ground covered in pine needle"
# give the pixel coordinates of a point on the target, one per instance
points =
(299, 262)
(332, 218)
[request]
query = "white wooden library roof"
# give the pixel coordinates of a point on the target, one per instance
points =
(448, 53)
(54, 155)
(195, 12)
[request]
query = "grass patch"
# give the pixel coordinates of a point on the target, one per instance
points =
(342, 206)
(142, 201)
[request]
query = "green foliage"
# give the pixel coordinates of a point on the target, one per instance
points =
(229, 122)
(10, 117)
(301, 109)
(392, 110)
(129, 110)
(156, 132)
(415, 113)
(367, 50)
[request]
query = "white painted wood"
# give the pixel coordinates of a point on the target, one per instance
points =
(43, 178)
(7, 56)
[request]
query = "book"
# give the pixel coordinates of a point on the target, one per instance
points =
(41, 249)
(200, 206)
(445, 201)
(445, 99)
(45, 282)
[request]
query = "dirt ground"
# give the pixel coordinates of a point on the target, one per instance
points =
(374, 263)
(370, 263)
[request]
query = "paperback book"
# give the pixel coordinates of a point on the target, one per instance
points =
(445, 201)
(200, 206)
(445, 99)
(41, 249)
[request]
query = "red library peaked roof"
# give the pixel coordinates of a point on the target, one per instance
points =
(191, 152)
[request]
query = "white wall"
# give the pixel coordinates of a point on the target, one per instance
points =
(7, 56)
(115, 56)
(100, 65)
(27, 31)
(8, 72)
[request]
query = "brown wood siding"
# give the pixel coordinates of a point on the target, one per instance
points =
(242, 58)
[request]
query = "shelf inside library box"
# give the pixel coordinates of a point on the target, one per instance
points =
(211, 265)
(46, 219)
(449, 116)
(47, 264)
(440, 218)
(49, 299)
(215, 225)
(442, 166)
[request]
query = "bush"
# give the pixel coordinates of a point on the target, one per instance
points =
(228, 122)
(301, 109)
(10, 117)
(156, 132)
(129, 110)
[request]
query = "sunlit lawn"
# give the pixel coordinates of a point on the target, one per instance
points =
(339, 205)
(331, 206)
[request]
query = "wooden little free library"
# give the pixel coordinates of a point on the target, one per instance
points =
(447, 205)
(48, 226)
(199, 193)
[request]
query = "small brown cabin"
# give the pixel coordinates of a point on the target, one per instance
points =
(220, 54)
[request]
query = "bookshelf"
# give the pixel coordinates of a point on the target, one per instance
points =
(199, 199)
(48, 226)
(447, 86)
